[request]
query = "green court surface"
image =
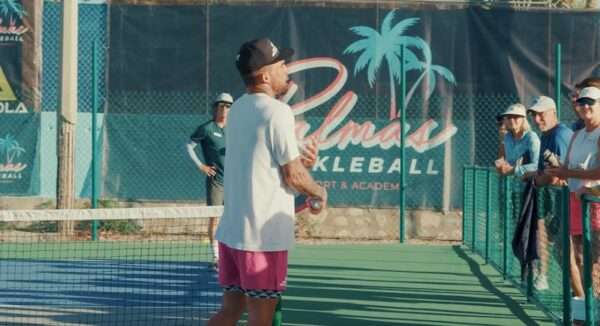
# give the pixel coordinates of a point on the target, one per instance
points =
(400, 285)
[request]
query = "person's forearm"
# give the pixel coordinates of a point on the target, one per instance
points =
(298, 178)
(190, 149)
(521, 170)
(584, 174)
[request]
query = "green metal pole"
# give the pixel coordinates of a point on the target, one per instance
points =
(566, 253)
(558, 79)
(474, 226)
(94, 198)
(488, 217)
(278, 316)
(587, 264)
(507, 216)
(402, 144)
(511, 208)
(464, 214)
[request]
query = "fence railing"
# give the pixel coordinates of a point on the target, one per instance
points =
(492, 205)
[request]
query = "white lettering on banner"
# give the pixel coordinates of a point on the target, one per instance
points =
(413, 168)
(356, 164)
(11, 38)
(374, 165)
(430, 169)
(363, 185)
(395, 167)
(336, 165)
(320, 164)
(10, 176)
(8, 108)
(331, 133)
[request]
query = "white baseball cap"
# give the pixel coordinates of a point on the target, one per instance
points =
(589, 92)
(515, 109)
(224, 98)
(542, 104)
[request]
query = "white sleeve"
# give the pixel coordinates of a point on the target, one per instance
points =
(192, 153)
(283, 139)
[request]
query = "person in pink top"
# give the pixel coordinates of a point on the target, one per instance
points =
(582, 169)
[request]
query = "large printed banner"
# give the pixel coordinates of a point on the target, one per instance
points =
(463, 66)
(18, 127)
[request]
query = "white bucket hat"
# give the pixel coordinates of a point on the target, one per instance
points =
(224, 98)
(515, 109)
(589, 92)
(542, 104)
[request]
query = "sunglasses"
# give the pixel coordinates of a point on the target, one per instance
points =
(586, 101)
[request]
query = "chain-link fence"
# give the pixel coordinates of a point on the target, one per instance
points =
(146, 114)
(493, 207)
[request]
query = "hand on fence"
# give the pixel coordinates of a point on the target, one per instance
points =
(503, 167)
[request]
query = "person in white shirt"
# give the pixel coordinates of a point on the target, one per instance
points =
(264, 168)
(582, 169)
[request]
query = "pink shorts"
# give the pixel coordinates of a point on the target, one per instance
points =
(257, 274)
(576, 216)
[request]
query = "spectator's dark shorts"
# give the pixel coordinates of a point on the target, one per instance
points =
(214, 192)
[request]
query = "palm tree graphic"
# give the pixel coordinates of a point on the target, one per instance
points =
(11, 150)
(376, 46)
(11, 9)
(429, 71)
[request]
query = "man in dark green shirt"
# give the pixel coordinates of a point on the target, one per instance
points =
(211, 137)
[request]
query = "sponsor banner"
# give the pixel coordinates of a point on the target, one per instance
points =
(463, 66)
(18, 147)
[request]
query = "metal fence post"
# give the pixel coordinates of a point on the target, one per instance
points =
(402, 144)
(488, 216)
(95, 158)
(507, 216)
(558, 78)
(464, 215)
(590, 306)
(474, 219)
(566, 254)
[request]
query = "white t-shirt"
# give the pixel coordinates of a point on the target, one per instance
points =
(259, 207)
(582, 156)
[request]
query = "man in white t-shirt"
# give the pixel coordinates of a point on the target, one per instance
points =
(263, 170)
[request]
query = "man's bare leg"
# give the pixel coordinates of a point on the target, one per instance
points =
(231, 311)
(577, 265)
(543, 251)
(576, 283)
(260, 311)
(212, 230)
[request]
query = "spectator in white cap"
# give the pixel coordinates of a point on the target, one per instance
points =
(521, 145)
(211, 137)
(582, 170)
(555, 137)
(553, 151)
(588, 82)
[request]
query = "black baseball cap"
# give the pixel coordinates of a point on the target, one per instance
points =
(256, 54)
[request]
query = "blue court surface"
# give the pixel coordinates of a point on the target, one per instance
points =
(106, 292)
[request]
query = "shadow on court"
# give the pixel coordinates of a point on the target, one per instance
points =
(400, 285)
(106, 292)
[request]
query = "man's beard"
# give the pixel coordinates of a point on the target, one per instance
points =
(284, 89)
